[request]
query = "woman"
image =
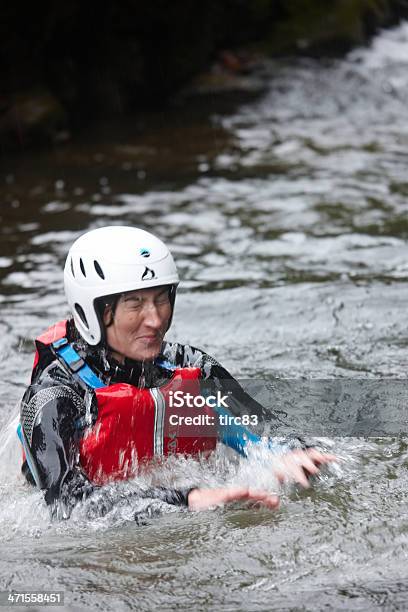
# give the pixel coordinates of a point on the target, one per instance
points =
(101, 402)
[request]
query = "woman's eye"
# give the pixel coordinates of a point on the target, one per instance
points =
(134, 304)
(162, 300)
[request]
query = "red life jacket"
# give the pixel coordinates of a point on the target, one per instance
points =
(135, 425)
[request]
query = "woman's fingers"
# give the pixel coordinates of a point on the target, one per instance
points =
(299, 464)
(294, 466)
(264, 499)
(319, 457)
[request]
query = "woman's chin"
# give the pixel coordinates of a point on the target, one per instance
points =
(145, 354)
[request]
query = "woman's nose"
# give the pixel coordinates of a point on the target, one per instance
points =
(152, 316)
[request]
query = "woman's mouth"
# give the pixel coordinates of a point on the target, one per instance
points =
(148, 339)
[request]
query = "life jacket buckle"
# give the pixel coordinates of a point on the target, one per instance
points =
(76, 365)
(60, 343)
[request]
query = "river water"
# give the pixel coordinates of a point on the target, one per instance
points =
(286, 214)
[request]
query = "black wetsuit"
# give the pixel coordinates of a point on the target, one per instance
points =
(58, 407)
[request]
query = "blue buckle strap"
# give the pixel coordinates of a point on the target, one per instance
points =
(163, 363)
(27, 454)
(76, 364)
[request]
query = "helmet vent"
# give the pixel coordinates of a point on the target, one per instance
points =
(99, 270)
(81, 265)
(81, 314)
(72, 268)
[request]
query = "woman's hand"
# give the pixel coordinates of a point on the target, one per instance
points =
(298, 465)
(200, 499)
(295, 466)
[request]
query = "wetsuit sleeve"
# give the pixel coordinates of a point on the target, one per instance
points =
(176, 497)
(241, 420)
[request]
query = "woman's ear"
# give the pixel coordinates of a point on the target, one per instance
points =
(107, 315)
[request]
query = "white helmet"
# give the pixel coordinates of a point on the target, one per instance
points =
(112, 260)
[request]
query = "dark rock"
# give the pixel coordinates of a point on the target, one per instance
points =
(31, 117)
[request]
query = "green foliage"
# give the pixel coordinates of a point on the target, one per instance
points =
(320, 26)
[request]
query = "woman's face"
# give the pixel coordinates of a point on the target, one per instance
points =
(139, 323)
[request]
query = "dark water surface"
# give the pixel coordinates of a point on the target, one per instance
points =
(287, 216)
